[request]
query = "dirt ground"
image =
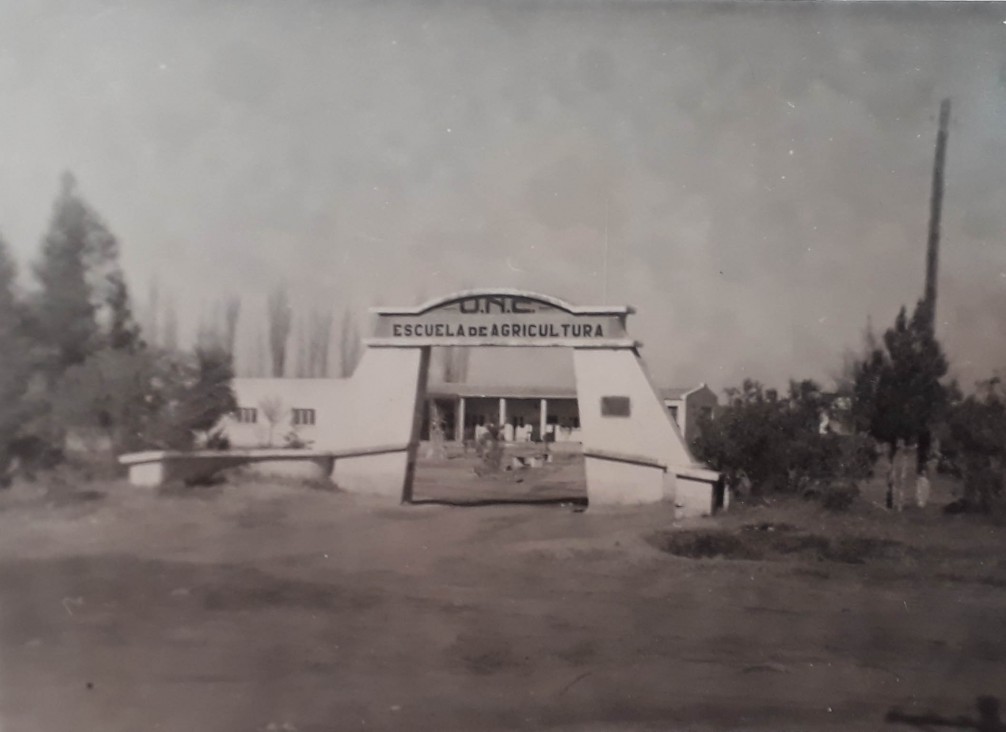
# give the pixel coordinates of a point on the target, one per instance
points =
(268, 606)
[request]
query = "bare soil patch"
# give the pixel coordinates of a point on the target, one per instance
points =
(270, 606)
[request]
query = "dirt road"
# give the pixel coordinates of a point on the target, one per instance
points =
(270, 607)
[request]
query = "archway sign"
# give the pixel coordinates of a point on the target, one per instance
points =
(633, 451)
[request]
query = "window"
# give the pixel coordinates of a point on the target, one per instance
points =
(615, 406)
(302, 417)
(674, 413)
(246, 415)
(707, 412)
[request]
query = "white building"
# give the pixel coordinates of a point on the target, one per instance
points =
(288, 411)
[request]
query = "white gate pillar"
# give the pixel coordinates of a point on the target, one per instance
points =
(382, 422)
(632, 452)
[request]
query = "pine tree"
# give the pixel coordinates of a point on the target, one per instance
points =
(83, 303)
(899, 393)
(64, 314)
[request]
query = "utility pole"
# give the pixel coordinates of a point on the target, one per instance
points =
(924, 445)
(935, 212)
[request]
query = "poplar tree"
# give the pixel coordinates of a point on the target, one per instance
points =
(349, 345)
(280, 319)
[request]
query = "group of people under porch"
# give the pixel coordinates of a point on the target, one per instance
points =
(519, 431)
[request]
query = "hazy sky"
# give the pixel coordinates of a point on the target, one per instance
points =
(762, 171)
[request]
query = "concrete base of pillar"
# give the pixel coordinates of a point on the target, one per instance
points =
(613, 483)
(376, 475)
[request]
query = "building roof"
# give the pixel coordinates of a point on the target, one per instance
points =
(677, 392)
(302, 388)
(674, 392)
(474, 391)
(495, 391)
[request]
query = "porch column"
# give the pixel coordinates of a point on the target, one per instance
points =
(543, 419)
(459, 421)
(502, 412)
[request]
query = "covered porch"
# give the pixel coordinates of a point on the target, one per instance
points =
(527, 414)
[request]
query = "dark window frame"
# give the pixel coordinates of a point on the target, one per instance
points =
(303, 417)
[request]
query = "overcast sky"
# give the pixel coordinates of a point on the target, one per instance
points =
(761, 172)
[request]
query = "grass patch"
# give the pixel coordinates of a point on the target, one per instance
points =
(776, 542)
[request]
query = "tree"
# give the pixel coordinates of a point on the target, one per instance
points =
(152, 316)
(232, 312)
(774, 444)
(319, 340)
(280, 318)
(349, 345)
(210, 333)
(211, 394)
(301, 368)
(274, 412)
(15, 366)
(976, 439)
(898, 394)
(260, 364)
(898, 390)
(145, 400)
(83, 304)
(170, 325)
(108, 399)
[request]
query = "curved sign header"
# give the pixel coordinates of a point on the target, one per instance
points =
(502, 318)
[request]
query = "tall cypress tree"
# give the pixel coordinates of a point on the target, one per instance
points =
(899, 392)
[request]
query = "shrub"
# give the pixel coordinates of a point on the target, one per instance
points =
(775, 443)
(293, 441)
(143, 399)
(976, 444)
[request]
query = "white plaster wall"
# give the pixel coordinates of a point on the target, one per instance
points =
(328, 397)
(378, 475)
(378, 406)
(693, 498)
(299, 468)
(147, 474)
(611, 483)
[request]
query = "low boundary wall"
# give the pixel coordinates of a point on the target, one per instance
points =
(628, 479)
(157, 467)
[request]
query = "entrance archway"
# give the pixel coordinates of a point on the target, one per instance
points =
(524, 396)
(633, 452)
